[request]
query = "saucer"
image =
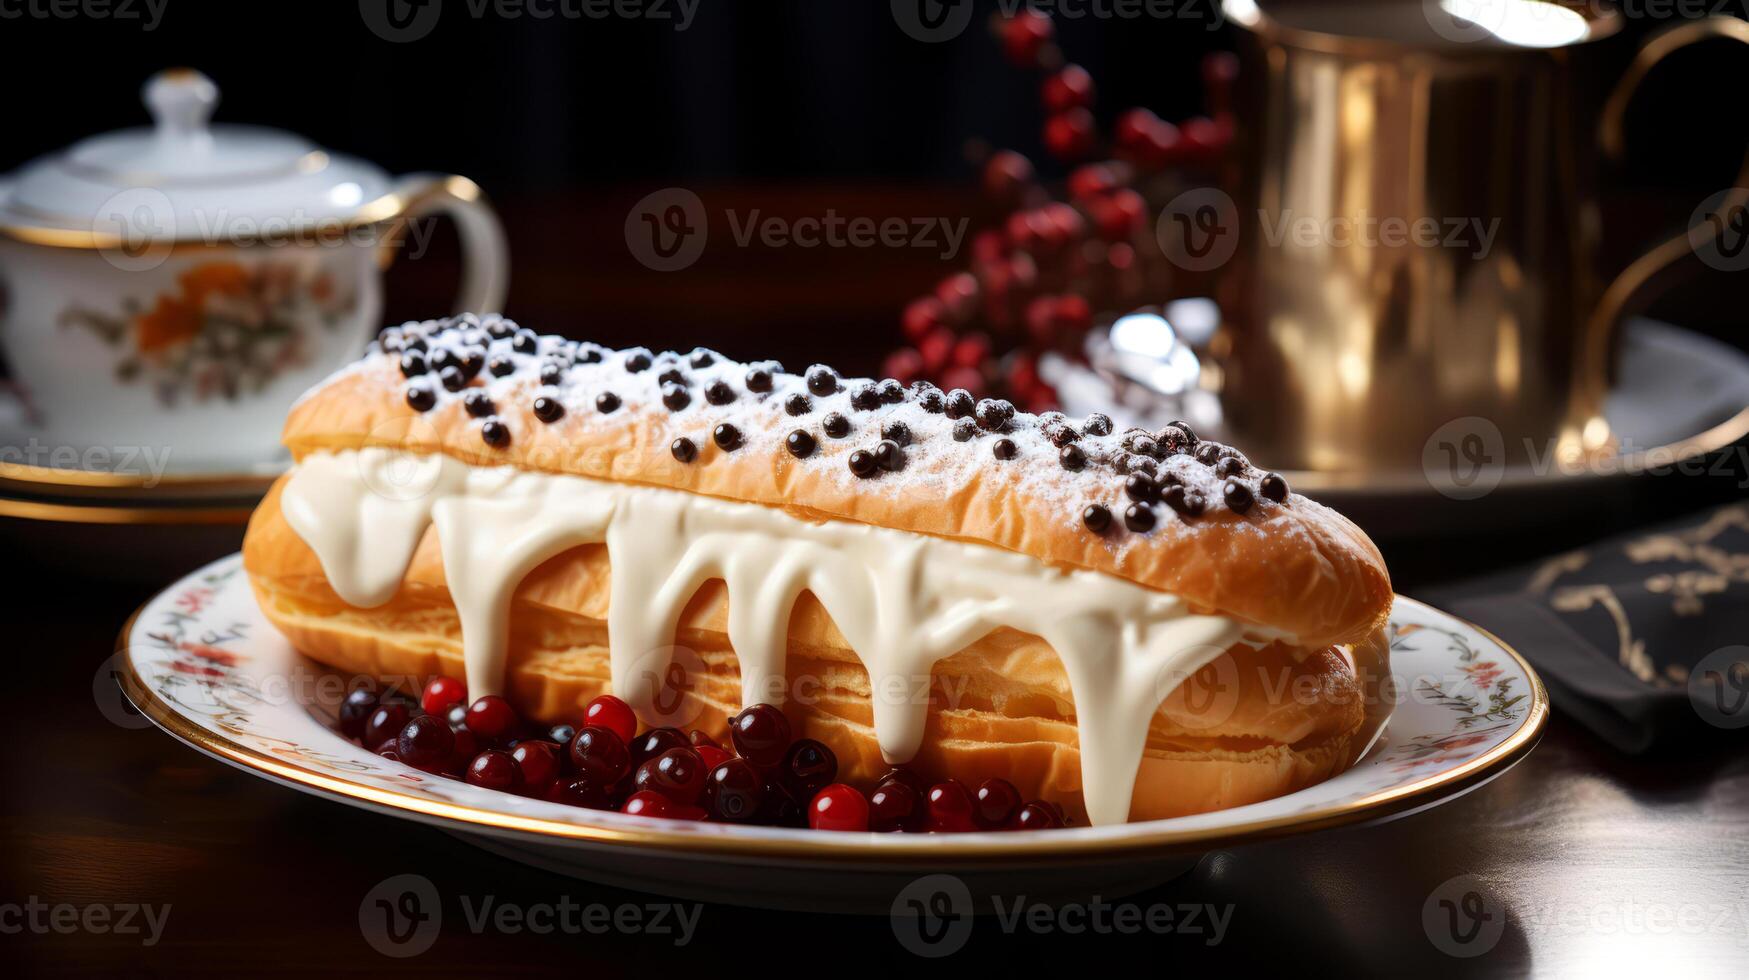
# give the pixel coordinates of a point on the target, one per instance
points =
(202, 663)
(32, 468)
(1655, 431)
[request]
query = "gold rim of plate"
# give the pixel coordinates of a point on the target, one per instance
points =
(1045, 846)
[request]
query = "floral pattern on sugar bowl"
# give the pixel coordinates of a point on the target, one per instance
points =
(206, 652)
(225, 330)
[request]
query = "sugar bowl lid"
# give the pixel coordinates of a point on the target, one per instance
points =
(184, 179)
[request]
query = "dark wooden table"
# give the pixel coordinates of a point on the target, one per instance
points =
(1597, 864)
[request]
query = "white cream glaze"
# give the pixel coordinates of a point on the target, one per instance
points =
(902, 600)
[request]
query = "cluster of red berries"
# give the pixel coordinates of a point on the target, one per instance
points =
(1038, 278)
(764, 777)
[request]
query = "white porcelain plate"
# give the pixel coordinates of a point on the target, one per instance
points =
(203, 664)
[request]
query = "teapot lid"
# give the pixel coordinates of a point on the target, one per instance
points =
(185, 180)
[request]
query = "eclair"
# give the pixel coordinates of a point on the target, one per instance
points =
(1132, 624)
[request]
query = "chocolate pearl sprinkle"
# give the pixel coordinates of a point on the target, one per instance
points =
(421, 398)
(865, 398)
(897, 431)
(1004, 449)
(551, 374)
(960, 403)
(1096, 517)
(1273, 487)
(800, 444)
(758, 380)
(1097, 425)
(965, 430)
(413, 364)
(891, 391)
(453, 379)
(607, 403)
(993, 414)
(548, 410)
(836, 425)
(1139, 518)
(719, 393)
(1207, 453)
(1059, 434)
(863, 463)
(1072, 458)
(442, 358)
(496, 433)
(1141, 487)
(672, 376)
(1186, 502)
(589, 354)
(676, 397)
(479, 404)
(526, 342)
(683, 449)
(500, 366)
(702, 358)
(931, 400)
(1229, 466)
(890, 456)
(822, 380)
(637, 361)
(1237, 495)
(727, 437)
(797, 404)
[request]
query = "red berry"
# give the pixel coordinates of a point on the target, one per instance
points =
(838, 807)
(491, 717)
(1071, 88)
(904, 365)
(922, 316)
(761, 734)
(971, 351)
(958, 294)
(1205, 139)
(493, 769)
(893, 806)
(996, 802)
(700, 738)
(712, 756)
(538, 764)
(678, 774)
(466, 747)
(1007, 175)
(902, 774)
(1024, 37)
(1119, 216)
(1092, 180)
(734, 790)
(988, 247)
(385, 723)
(425, 743)
(389, 752)
(1036, 815)
(654, 742)
(1065, 223)
(581, 791)
(950, 808)
(1135, 127)
(970, 379)
(1074, 313)
(935, 350)
(686, 811)
(441, 694)
(613, 714)
(807, 767)
(598, 753)
(1069, 135)
(646, 803)
(356, 710)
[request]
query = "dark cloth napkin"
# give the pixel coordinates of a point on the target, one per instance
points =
(1642, 638)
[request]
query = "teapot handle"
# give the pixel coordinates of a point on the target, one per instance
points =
(1593, 360)
(485, 254)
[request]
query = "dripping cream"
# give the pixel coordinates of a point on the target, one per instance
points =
(902, 600)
